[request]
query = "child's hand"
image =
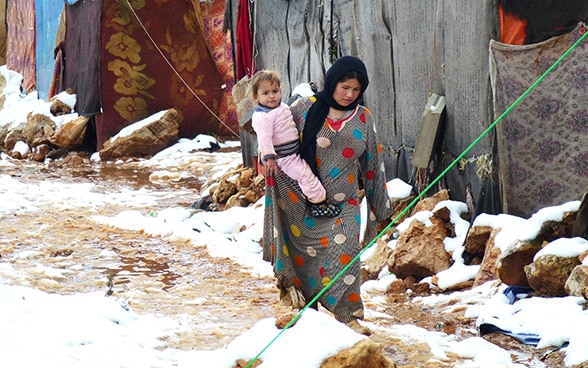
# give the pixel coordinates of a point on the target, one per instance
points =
(271, 166)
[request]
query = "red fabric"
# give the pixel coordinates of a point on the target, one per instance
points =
(244, 49)
(56, 77)
(513, 30)
(221, 49)
(137, 82)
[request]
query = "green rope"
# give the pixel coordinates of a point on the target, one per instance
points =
(418, 197)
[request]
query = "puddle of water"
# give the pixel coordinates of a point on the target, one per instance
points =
(140, 265)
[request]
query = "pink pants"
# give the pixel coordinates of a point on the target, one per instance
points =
(295, 167)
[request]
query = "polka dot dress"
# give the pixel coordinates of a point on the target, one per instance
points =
(308, 252)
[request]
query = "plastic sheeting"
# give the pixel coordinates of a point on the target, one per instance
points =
(47, 22)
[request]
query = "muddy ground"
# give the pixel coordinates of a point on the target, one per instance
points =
(182, 281)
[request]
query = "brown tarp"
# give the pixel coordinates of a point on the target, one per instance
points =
(20, 44)
(136, 79)
(542, 141)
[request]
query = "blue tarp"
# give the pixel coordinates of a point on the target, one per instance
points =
(47, 22)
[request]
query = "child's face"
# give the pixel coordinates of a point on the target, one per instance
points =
(269, 94)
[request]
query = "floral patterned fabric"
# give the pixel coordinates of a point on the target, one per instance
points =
(221, 49)
(542, 142)
(138, 82)
(308, 252)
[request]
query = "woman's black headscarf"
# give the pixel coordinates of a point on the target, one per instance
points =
(320, 109)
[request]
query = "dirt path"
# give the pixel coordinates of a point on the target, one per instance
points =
(64, 251)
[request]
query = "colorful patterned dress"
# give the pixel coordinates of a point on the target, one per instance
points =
(308, 252)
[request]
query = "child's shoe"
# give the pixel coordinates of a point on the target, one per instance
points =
(324, 209)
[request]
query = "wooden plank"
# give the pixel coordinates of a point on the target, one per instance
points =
(429, 131)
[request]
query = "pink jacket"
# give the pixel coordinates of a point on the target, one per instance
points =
(273, 127)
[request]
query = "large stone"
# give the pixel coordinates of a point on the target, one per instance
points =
(547, 274)
(581, 222)
(488, 267)
(420, 251)
(71, 133)
(146, 140)
(427, 204)
(377, 260)
(38, 124)
(14, 135)
(364, 354)
(476, 241)
(577, 283)
(551, 230)
(510, 267)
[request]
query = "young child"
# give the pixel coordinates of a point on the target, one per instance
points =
(278, 140)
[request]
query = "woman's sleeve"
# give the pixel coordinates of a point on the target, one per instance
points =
(299, 109)
(373, 173)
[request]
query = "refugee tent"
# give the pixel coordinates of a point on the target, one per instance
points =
(3, 33)
(415, 50)
(126, 60)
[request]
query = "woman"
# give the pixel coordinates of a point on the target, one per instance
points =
(339, 141)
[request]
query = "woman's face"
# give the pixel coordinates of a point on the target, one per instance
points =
(347, 92)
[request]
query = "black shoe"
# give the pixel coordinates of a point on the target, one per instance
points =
(324, 209)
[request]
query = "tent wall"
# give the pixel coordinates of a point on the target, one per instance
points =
(2, 32)
(411, 49)
(47, 22)
(20, 44)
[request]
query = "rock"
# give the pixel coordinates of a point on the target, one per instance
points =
(581, 222)
(59, 108)
(14, 135)
(427, 204)
(224, 191)
(551, 230)
(364, 354)
(420, 251)
(547, 274)
(38, 123)
(71, 133)
(476, 241)
(39, 153)
(488, 267)
(511, 263)
(377, 260)
(242, 363)
(146, 140)
(577, 283)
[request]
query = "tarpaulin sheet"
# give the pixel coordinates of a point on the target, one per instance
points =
(221, 49)
(136, 80)
(47, 23)
(20, 45)
(542, 150)
(82, 54)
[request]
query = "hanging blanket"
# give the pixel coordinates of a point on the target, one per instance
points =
(542, 144)
(136, 80)
(221, 49)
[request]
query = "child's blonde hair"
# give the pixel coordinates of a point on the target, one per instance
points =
(263, 76)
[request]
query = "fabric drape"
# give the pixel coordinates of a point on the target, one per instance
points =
(542, 150)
